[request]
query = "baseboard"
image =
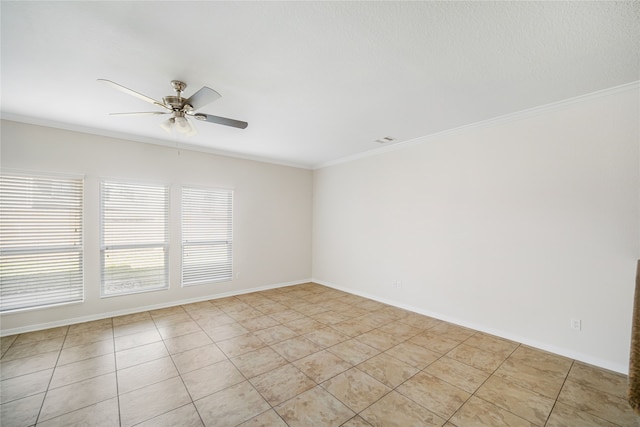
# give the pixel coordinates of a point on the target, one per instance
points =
(561, 351)
(73, 321)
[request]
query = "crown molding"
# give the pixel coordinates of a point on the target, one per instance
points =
(511, 117)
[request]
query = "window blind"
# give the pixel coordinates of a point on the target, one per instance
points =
(134, 237)
(206, 235)
(40, 241)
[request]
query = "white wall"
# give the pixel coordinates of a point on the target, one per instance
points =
(272, 214)
(512, 228)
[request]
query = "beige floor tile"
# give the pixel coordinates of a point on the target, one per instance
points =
(304, 325)
(296, 348)
(598, 403)
(86, 351)
(133, 327)
(178, 329)
(286, 316)
(517, 400)
(145, 374)
(88, 336)
(137, 355)
(32, 349)
(479, 413)
(353, 351)
(257, 323)
(326, 337)
(88, 326)
(78, 395)
(419, 321)
(310, 309)
(395, 313)
(598, 378)
(337, 306)
(413, 354)
(434, 342)
(356, 421)
(102, 414)
(241, 344)
(314, 407)
(321, 366)
(452, 332)
(396, 410)
(388, 370)
(565, 415)
(210, 379)
(134, 340)
(282, 384)
(24, 385)
(21, 412)
(356, 389)
(268, 418)
(434, 394)
(275, 334)
(353, 327)
(248, 313)
(184, 416)
(176, 310)
(491, 343)
(287, 341)
(224, 332)
(231, 406)
(546, 384)
(183, 343)
(6, 342)
(197, 358)
(541, 360)
(149, 402)
(258, 362)
(330, 317)
(82, 370)
(457, 373)
(272, 308)
(379, 340)
(172, 319)
(400, 330)
(43, 335)
(210, 321)
(369, 305)
(131, 318)
(479, 359)
(27, 365)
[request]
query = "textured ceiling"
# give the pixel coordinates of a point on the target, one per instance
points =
(317, 81)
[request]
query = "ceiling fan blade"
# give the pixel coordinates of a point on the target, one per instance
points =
(142, 113)
(221, 120)
(134, 93)
(203, 97)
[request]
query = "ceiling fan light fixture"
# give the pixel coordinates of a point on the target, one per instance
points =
(167, 125)
(179, 107)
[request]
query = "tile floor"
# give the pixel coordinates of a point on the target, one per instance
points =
(303, 355)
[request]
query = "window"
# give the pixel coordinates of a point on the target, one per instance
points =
(40, 241)
(206, 235)
(134, 241)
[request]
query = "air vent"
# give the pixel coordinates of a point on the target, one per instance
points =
(385, 140)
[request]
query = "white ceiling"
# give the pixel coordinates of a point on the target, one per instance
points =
(317, 81)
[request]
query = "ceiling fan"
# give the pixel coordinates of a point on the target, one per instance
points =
(180, 108)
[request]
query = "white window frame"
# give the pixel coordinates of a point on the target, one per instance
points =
(135, 238)
(207, 235)
(41, 234)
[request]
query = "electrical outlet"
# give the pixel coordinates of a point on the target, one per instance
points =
(397, 284)
(576, 324)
